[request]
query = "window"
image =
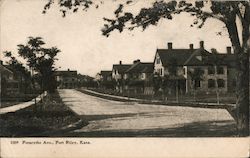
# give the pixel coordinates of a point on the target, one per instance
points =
(197, 83)
(211, 70)
(211, 83)
(158, 61)
(184, 71)
(221, 83)
(220, 70)
(160, 71)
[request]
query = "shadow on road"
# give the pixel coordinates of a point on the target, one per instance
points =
(195, 129)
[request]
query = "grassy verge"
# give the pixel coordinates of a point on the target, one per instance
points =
(229, 98)
(44, 117)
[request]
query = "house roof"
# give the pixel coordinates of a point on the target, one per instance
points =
(106, 73)
(66, 73)
(121, 68)
(191, 57)
(4, 69)
(141, 68)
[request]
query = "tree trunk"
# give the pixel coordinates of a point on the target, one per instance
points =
(242, 76)
(216, 85)
(177, 91)
(242, 94)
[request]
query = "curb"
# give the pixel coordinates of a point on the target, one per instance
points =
(140, 101)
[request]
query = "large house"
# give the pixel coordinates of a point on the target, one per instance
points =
(66, 79)
(179, 64)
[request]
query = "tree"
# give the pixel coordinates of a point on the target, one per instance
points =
(173, 76)
(234, 14)
(22, 74)
(40, 60)
(196, 76)
(215, 61)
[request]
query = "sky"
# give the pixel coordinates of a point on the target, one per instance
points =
(83, 48)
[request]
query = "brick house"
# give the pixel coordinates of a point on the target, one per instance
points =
(186, 61)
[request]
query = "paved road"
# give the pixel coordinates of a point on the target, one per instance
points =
(113, 118)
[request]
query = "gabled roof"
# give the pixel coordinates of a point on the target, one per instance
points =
(4, 69)
(181, 57)
(197, 58)
(66, 73)
(121, 68)
(106, 73)
(141, 68)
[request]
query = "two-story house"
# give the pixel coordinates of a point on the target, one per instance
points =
(178, 64)
(118, 72)
(137, 76)
(66, 79)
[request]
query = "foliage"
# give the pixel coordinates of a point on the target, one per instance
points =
(39, 59)
(21, 72)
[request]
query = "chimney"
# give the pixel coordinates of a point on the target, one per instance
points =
(170, 45)
(229, 50)
(68, 69)
(120, 62)
(191, 46)
(136, 61)
(202, 44)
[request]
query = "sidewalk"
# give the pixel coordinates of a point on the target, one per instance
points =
(127, 99)
(22, 105)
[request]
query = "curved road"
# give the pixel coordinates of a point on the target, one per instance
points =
(113, 118)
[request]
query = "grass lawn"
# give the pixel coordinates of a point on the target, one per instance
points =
(204, 98)
(46, 116)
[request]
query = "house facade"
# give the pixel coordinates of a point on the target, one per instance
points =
(137, 77)
(66, 79)
(118, 74)
(9, 85)
(181, 64)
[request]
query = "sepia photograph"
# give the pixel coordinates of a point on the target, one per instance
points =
(124, 69)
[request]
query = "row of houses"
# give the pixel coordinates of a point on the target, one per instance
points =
(175, 68)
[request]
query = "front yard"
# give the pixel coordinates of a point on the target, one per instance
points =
(183, 98)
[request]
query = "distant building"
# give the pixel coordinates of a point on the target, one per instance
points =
(106, 75)
(66, 79)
